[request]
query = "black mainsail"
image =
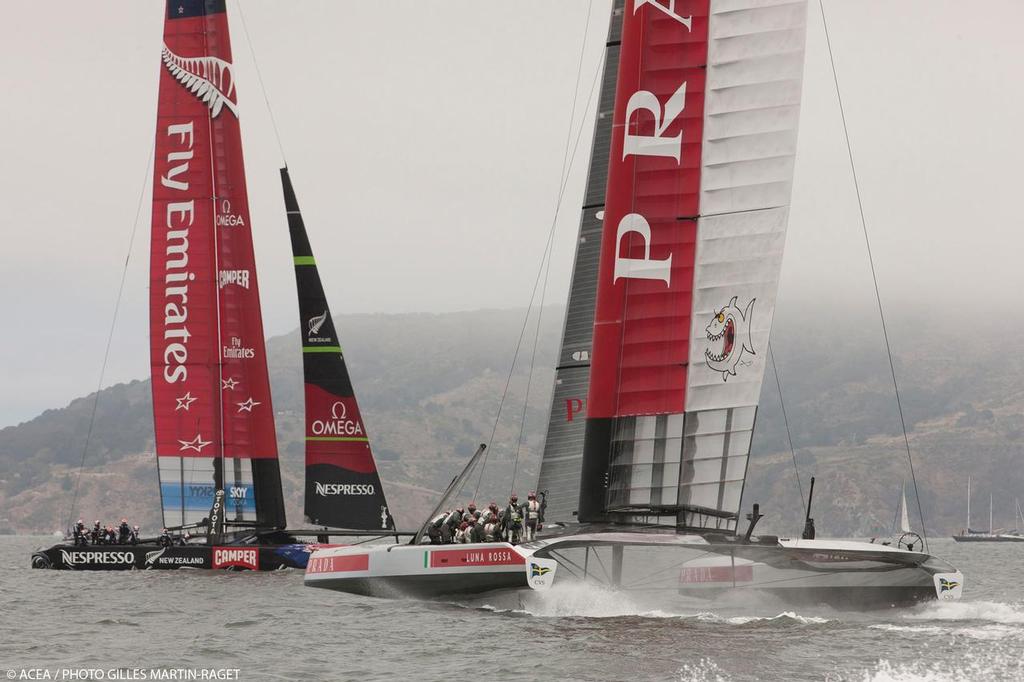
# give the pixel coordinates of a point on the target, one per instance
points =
(343, 489)
(563, 448)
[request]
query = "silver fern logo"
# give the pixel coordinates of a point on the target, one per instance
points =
(209, 78)
(315, 323)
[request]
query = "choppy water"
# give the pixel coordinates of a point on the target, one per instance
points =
(271, 627)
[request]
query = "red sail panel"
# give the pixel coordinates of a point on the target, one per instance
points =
(248, 416)
(645, 277)
(184, 347)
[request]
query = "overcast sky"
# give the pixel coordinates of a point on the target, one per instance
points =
(426, 141)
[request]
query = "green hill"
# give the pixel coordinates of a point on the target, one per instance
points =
(429, 387)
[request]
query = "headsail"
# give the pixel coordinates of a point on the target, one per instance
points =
(563, 447)
(904, 515)
(700, 169)
(343, 489)
(211, 395)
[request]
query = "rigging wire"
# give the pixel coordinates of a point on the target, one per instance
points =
(259, 78)
(874, 277)
(547, 246)
(563, 175)
(110, 335)
(789, 435)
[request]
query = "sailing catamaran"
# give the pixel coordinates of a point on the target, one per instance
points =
(663, 353)
(993, 535)
(216, 444)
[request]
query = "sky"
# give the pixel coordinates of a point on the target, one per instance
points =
(426, 140)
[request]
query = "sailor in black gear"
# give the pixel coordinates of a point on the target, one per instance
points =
(533, 514)
(437, 529)
(183, 540)
(470, 514)
(134, 539)
(451, 521)
(79, 533)
(97, 533)
(124, 532)
(165, 538)
(109, 536)
(512, 520)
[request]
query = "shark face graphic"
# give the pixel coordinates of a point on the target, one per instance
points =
(728, 338)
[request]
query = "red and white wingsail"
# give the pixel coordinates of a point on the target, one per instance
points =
(211, 394)
(700, 164)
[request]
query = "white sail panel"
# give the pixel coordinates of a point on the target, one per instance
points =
(755, 70)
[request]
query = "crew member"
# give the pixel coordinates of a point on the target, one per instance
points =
(471, 513)
(134, 539)
(492, 529)
(437, 528)
(533, 512)
(97, 533)
(165, 538)
(809, 531)
(79, 533)
(463, 534)
(124, 532)
(110, 536)
(183, 540)
(512, 520)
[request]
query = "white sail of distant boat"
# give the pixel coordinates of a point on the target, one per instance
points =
(904, 517)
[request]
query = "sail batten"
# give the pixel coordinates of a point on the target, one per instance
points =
(343, 488)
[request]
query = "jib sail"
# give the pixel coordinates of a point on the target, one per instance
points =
(700, 165)
(563, 448)
(211, 395)
(343, 489)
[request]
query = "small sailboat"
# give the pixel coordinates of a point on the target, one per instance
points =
(215, 437)
(663, 353)
(968, 534)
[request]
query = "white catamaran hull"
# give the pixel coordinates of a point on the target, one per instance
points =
(836, 573)
(420, 570)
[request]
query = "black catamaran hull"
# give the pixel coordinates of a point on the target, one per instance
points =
(154, 557)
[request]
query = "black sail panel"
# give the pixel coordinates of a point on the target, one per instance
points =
(563, 448)
(343, 488)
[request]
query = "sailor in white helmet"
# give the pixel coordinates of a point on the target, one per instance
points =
(533, 513)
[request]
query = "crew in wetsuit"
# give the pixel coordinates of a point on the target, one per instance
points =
(109, 536)
(124, 532)
(512, 521)
(134, 539)
(463, 535)
(96, 534)
(165, 538)
(471, 513)
(437, 529)
(533, 512)
(80, 533)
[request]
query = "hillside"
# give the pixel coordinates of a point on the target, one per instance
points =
(429, 387)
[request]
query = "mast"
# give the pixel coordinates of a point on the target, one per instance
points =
(343, 488)
(700, 167)
(968, 505)
(212, 409)
(990, 527)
